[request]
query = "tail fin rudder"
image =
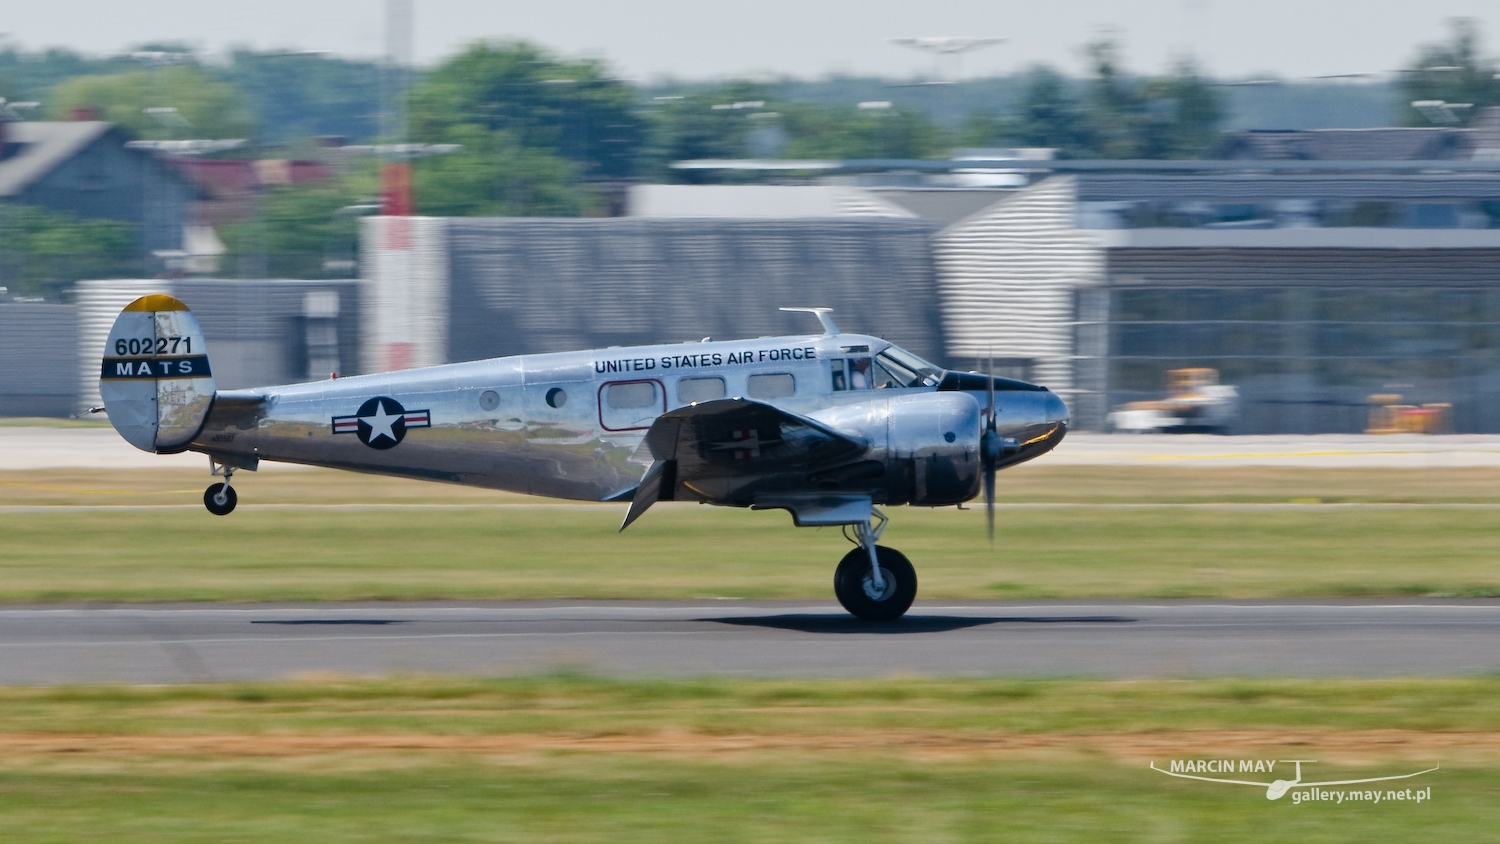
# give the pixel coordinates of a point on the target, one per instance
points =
(155, 379)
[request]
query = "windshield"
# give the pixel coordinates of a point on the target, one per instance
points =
(904, 369)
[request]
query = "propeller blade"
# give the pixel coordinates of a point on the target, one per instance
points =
(989, 501)
(990, 382)
(989, 443)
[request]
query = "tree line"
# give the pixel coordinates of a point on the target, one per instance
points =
(543, 135)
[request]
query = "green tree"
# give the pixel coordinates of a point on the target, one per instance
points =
(533, 131)
(846, 132)
(43, 252)
(300, 95)
(572, 110)
(1051, 115)
(207, 107)
(741, 120)
(299, 227)
(1117, 115)
(493, 175)
(31, 76)
(1116, 110)
(1184, 114)
(1453, 72)
(687, 126)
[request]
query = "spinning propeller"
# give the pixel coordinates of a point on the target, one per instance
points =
(990, 447)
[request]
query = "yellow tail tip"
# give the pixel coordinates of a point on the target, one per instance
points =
(156, 302)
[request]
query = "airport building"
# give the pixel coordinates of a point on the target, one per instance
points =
(1312, 269)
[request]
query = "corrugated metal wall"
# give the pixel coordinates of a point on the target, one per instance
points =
(1322, 267)
(1008, 276)
(39, 344)
(99, 302)
(1267, 187)
(533, 285)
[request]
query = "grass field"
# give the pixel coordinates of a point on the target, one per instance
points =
(1078, 541)
(570, 758)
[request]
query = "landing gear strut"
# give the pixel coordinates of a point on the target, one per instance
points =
(220, 498)
(874, 582)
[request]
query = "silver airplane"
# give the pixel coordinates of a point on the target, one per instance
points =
(826, 426)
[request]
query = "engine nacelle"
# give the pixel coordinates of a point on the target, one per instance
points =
(924, 447)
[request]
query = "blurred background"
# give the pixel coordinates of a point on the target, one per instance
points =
(1169, 249)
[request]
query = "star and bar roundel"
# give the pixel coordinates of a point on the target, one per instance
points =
(382, 422)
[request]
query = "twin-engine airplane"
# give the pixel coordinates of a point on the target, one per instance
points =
(825, 426)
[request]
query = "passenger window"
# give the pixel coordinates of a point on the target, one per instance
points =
(691, 390)
(772, 386)
(636, 394)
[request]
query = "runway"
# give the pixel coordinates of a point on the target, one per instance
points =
(42, 645)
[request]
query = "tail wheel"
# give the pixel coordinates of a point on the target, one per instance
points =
(855, 587)
(220, 499)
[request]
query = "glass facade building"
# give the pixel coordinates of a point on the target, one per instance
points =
(1307, 337)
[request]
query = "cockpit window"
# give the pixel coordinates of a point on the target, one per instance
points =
(900, 368)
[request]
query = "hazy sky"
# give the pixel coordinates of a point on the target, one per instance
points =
(719, 38)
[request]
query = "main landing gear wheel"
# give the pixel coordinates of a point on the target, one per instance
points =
(220, 499)
(854, 584)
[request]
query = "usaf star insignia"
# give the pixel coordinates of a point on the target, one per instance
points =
(382, 422)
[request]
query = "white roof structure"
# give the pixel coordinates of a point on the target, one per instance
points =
(45, 146)
(760, 202)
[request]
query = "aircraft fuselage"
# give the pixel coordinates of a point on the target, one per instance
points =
(570, 425)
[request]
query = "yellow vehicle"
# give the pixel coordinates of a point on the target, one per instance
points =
(1389, 416)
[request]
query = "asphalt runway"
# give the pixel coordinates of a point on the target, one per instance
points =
(42, 645)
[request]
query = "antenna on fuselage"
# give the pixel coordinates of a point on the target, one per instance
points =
(823, 316)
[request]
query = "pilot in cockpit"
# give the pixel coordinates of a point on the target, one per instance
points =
(859, 374)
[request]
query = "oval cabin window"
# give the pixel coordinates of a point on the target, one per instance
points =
(691, 390)
(637, 394)
(777, 386)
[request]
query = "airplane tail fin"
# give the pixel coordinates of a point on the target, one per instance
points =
(155, 379)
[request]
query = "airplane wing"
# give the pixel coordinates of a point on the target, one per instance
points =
(714, 448)
(1369, 779)
(1209, 779)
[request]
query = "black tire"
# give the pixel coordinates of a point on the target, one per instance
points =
(854, 570)
(230, 499)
